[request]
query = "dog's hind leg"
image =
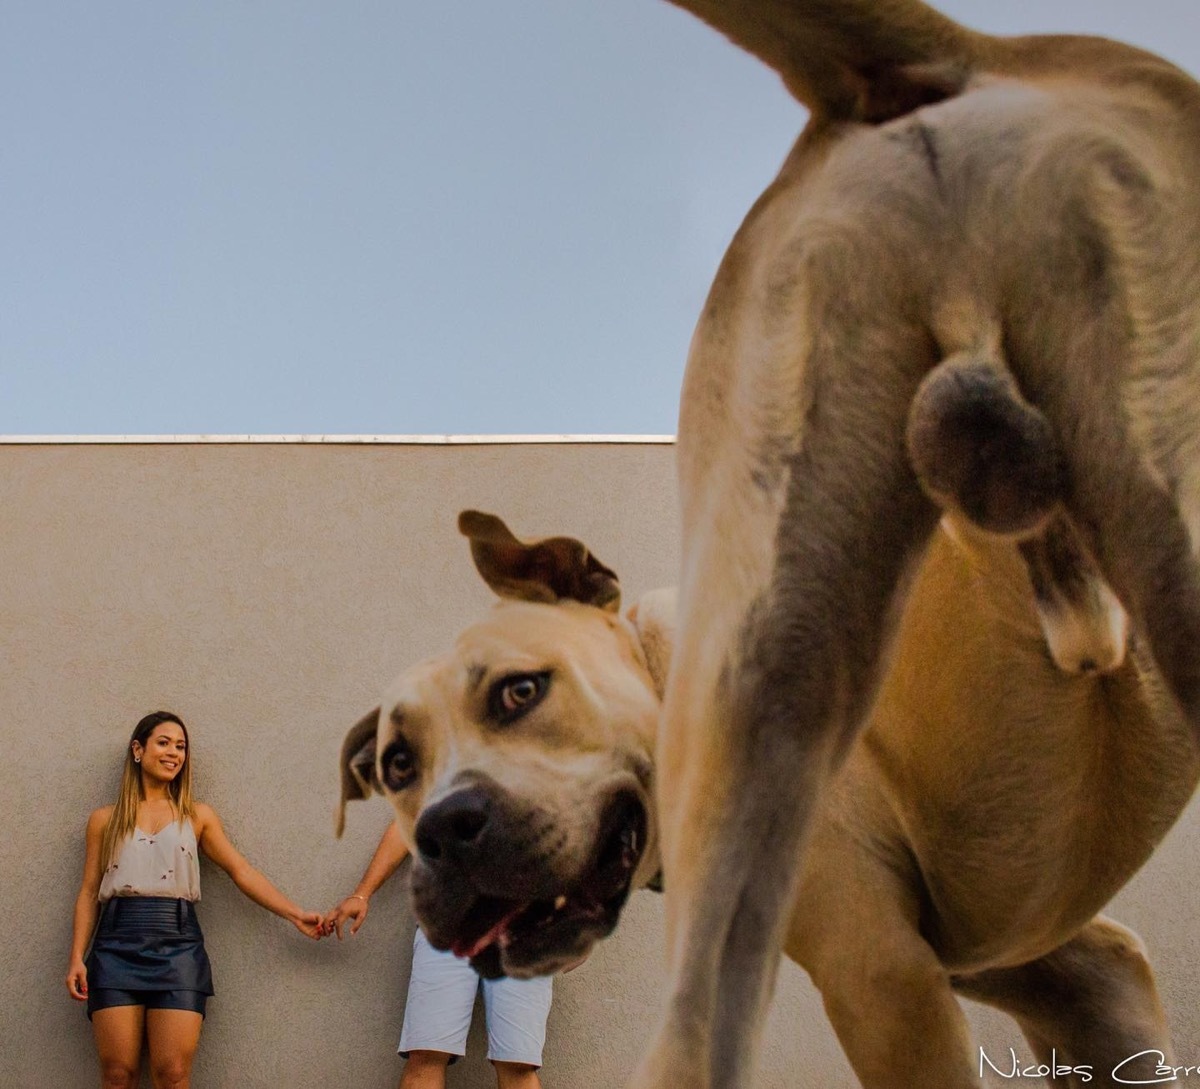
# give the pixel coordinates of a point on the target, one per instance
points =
(744, 759)
(856, 930)
(1107, 350)
(1092, 1003)
(798, 545)
(896, 1017)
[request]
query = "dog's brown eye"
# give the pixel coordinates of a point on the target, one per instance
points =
(399, 766)
(515, 695)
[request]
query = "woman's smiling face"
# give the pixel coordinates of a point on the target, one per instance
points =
(164, 753)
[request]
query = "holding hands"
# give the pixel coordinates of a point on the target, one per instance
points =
(353, 910)
(309, 923)
(391, 851)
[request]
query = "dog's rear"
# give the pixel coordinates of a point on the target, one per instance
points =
(1027, 206)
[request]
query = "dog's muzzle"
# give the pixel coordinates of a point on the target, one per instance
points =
(488, 882)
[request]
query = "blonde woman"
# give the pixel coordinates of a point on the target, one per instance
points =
(147, 976)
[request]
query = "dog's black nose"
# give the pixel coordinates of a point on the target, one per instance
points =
(453, 829)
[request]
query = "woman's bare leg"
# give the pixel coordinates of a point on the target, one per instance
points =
(172, 1036)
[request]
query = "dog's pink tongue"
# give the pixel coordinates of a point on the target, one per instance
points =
(462, 949)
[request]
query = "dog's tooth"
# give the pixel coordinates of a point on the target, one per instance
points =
(560, 903)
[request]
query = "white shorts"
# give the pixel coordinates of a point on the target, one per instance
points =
(441, 997)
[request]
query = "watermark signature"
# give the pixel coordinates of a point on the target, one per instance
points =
(1149, 1067)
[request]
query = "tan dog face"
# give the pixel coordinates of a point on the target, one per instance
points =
(519, 763)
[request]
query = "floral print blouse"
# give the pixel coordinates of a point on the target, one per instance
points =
(163, 864)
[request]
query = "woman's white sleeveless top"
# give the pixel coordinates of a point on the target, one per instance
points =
(163, 864)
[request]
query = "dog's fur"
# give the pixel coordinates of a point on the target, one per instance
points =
(992, 806)
(1024, 205)
(1020, 213)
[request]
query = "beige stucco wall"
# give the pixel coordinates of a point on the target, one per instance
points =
(266, 593)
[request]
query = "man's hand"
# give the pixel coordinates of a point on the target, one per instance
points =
(352, 910)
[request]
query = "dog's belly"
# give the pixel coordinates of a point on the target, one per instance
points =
(1025, 797)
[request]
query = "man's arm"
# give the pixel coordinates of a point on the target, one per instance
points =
(391, 851)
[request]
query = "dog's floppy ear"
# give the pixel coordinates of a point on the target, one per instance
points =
(359, 780)
(653, 617)
(550, 570)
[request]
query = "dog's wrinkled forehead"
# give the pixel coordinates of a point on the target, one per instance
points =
(515, 629)
(565, 641)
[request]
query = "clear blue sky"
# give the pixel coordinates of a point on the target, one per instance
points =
(283, 216)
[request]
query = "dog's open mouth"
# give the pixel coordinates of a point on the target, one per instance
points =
(495, 925)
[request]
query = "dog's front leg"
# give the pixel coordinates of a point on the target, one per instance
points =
(796, 552)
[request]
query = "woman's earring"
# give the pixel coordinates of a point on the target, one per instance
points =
(137, 759)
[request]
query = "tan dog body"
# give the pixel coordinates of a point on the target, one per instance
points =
(1027, 206)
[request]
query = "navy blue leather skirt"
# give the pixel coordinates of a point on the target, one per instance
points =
(148, 943)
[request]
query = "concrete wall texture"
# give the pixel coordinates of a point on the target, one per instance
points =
(267, 592)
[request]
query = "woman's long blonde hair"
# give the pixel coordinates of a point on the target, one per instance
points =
(124, 815)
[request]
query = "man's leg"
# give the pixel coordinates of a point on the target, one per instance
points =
(437, 1014)
(516, 1024)
(516, 1076)
(425, 1070)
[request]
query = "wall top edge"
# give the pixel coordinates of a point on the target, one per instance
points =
(331, 440)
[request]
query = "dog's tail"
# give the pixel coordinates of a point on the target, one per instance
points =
(864, 60)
